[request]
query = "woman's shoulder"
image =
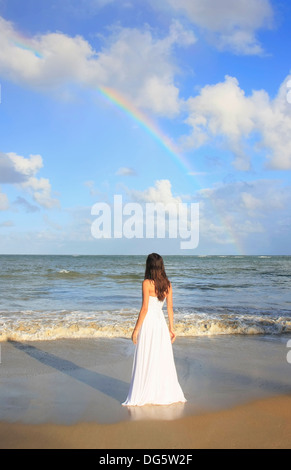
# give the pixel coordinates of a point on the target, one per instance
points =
(147, 283)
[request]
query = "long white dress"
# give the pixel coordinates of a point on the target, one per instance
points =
(154, 378)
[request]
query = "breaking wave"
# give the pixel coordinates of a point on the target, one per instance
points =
(36, 326)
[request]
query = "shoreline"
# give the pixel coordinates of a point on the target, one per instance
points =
(68, 394)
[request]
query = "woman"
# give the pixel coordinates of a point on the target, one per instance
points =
(154, 377)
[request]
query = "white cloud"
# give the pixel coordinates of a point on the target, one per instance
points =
(250, 202)
(228, 24)
(8, 173)
(140, 66)
(25, 166)
(274, 123)
(43, 61)
(257, 198)
(224, 111)
(233, 213)
(41, 192)
(134, 62)
(125, 171)
(163, 97)
(18, 170)
(161, 192)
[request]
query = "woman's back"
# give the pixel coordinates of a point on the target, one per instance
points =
(152, 289)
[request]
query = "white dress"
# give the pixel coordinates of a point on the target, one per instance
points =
(154, 378)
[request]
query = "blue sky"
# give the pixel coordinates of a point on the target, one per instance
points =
(212, 76)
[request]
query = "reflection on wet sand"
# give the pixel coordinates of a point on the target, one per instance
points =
(156, 412)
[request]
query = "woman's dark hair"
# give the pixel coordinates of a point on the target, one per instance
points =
(155, 271)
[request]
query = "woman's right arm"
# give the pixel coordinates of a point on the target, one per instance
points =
(171, 313)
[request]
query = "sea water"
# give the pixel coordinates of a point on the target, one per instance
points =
(51, 297)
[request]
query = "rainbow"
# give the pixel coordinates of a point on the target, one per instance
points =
(155, 132)
(150, 127)
(26, 46)
(145, 122)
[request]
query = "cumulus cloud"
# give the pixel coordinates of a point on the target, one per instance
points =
(25, 167)
(43, 61)
(160, 195)
(18, 170)
(161, 192)
(9, 173)
(41, 191)
(223, 111)
(228, 24)
(141, 67)
(133, 61)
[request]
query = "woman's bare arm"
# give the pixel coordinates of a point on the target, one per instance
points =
(171, 313)
(143, 310)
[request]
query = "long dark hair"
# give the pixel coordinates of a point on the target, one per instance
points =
(155, 271)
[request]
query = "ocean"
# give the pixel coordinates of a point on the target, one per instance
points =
(47, 297)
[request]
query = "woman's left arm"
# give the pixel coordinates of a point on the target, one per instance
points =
(143, 310)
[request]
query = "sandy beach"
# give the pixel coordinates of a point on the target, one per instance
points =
(264, 424)
(68, 394)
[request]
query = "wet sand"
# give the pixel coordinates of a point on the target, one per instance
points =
(264, 424)
(68, 394)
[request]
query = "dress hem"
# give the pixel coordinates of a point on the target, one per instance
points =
(155, 404)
